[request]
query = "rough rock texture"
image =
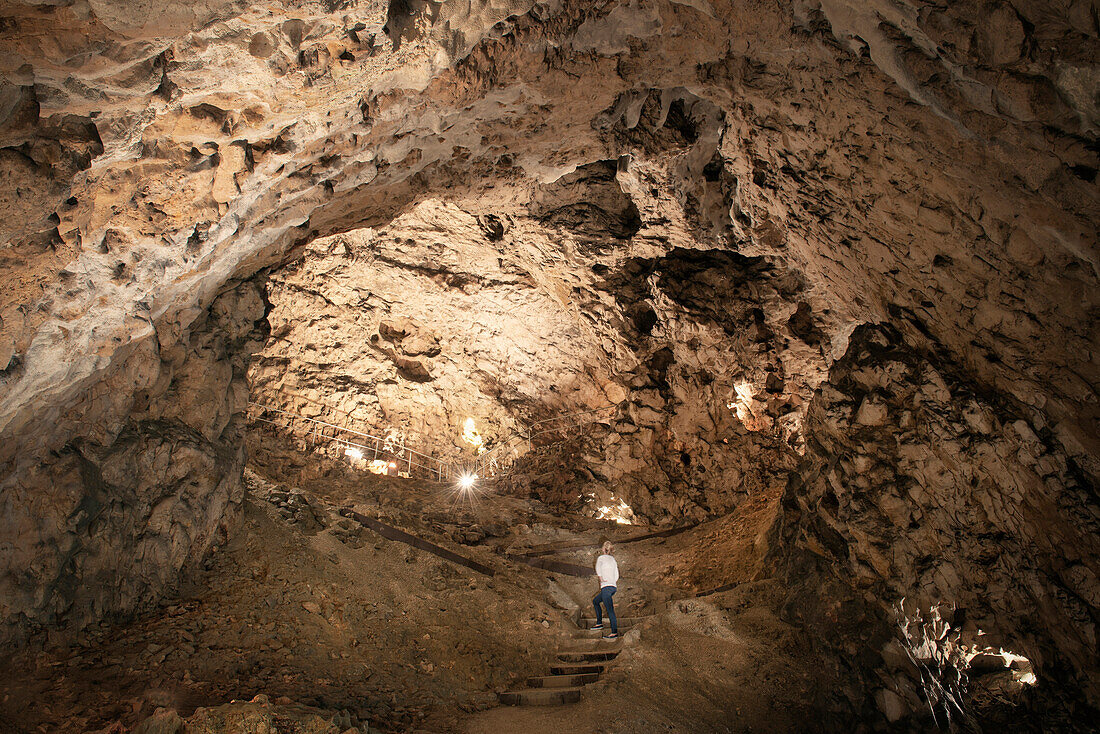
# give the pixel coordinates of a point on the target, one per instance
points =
(697, 361)
(846, 138)
(421, 325)
(109, 521)
(918, 487)
(930, 165)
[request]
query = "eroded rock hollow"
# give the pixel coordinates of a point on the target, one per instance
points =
(818, 280)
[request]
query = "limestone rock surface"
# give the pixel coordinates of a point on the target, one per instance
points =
(954, 501)
(681, 369)
(108, 523)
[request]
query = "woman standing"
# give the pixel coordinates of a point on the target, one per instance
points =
(608, 572)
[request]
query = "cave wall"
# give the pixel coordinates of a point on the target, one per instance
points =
(847, 143)
(447, 313)
(729, 354)
(918, 488)
(104, 524)
(698, 362)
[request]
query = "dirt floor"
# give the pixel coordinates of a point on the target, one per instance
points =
(715, 665)
(335, 627)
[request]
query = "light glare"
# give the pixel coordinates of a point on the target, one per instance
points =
(471, 435)
(618, 510)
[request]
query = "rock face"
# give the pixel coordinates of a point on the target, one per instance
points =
(691, 359)
(683, 209)
(844, 139)
(108, 522)
(916, 487)
(421, 325)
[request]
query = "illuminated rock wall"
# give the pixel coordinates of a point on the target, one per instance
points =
(695, 359)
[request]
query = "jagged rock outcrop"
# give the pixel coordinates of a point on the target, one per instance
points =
(108, 521)
(918, 487)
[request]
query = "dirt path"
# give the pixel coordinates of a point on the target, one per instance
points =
(716, 665)
(330, 621)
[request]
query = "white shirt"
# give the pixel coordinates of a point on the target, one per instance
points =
(607, 570)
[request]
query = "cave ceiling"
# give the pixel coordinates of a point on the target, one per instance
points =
(154, 155)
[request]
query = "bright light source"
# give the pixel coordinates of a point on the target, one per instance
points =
(353, 452)
(618, 510)
(744, 390)
(742, 404)
(378, 466)
(465, 490)
(471, 436)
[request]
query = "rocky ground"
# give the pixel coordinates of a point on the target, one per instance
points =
(719, 664)
(307, 622)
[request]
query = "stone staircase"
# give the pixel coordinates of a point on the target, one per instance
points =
(574, 668)
(587, 626)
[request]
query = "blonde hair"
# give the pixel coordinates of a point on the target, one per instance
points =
(606, 547)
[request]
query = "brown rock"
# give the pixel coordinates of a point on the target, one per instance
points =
(163, 721)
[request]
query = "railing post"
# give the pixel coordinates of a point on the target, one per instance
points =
(492, 463)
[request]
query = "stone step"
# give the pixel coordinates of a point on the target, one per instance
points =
(586, 634)
(598, 646)
(588, 644)
(562, 681)
(593, 656)
(540, 696)
(588, 622)
(577, 668)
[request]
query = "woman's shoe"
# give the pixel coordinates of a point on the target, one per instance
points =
(611, 636)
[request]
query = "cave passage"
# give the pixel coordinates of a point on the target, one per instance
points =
(337, 337)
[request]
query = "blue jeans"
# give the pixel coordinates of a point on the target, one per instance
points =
(604, 597)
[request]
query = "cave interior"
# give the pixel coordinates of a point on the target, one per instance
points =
(337, 336)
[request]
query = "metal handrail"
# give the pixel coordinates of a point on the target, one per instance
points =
(440, 472)
(346, 430)
(437, 468)
(483, 465)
